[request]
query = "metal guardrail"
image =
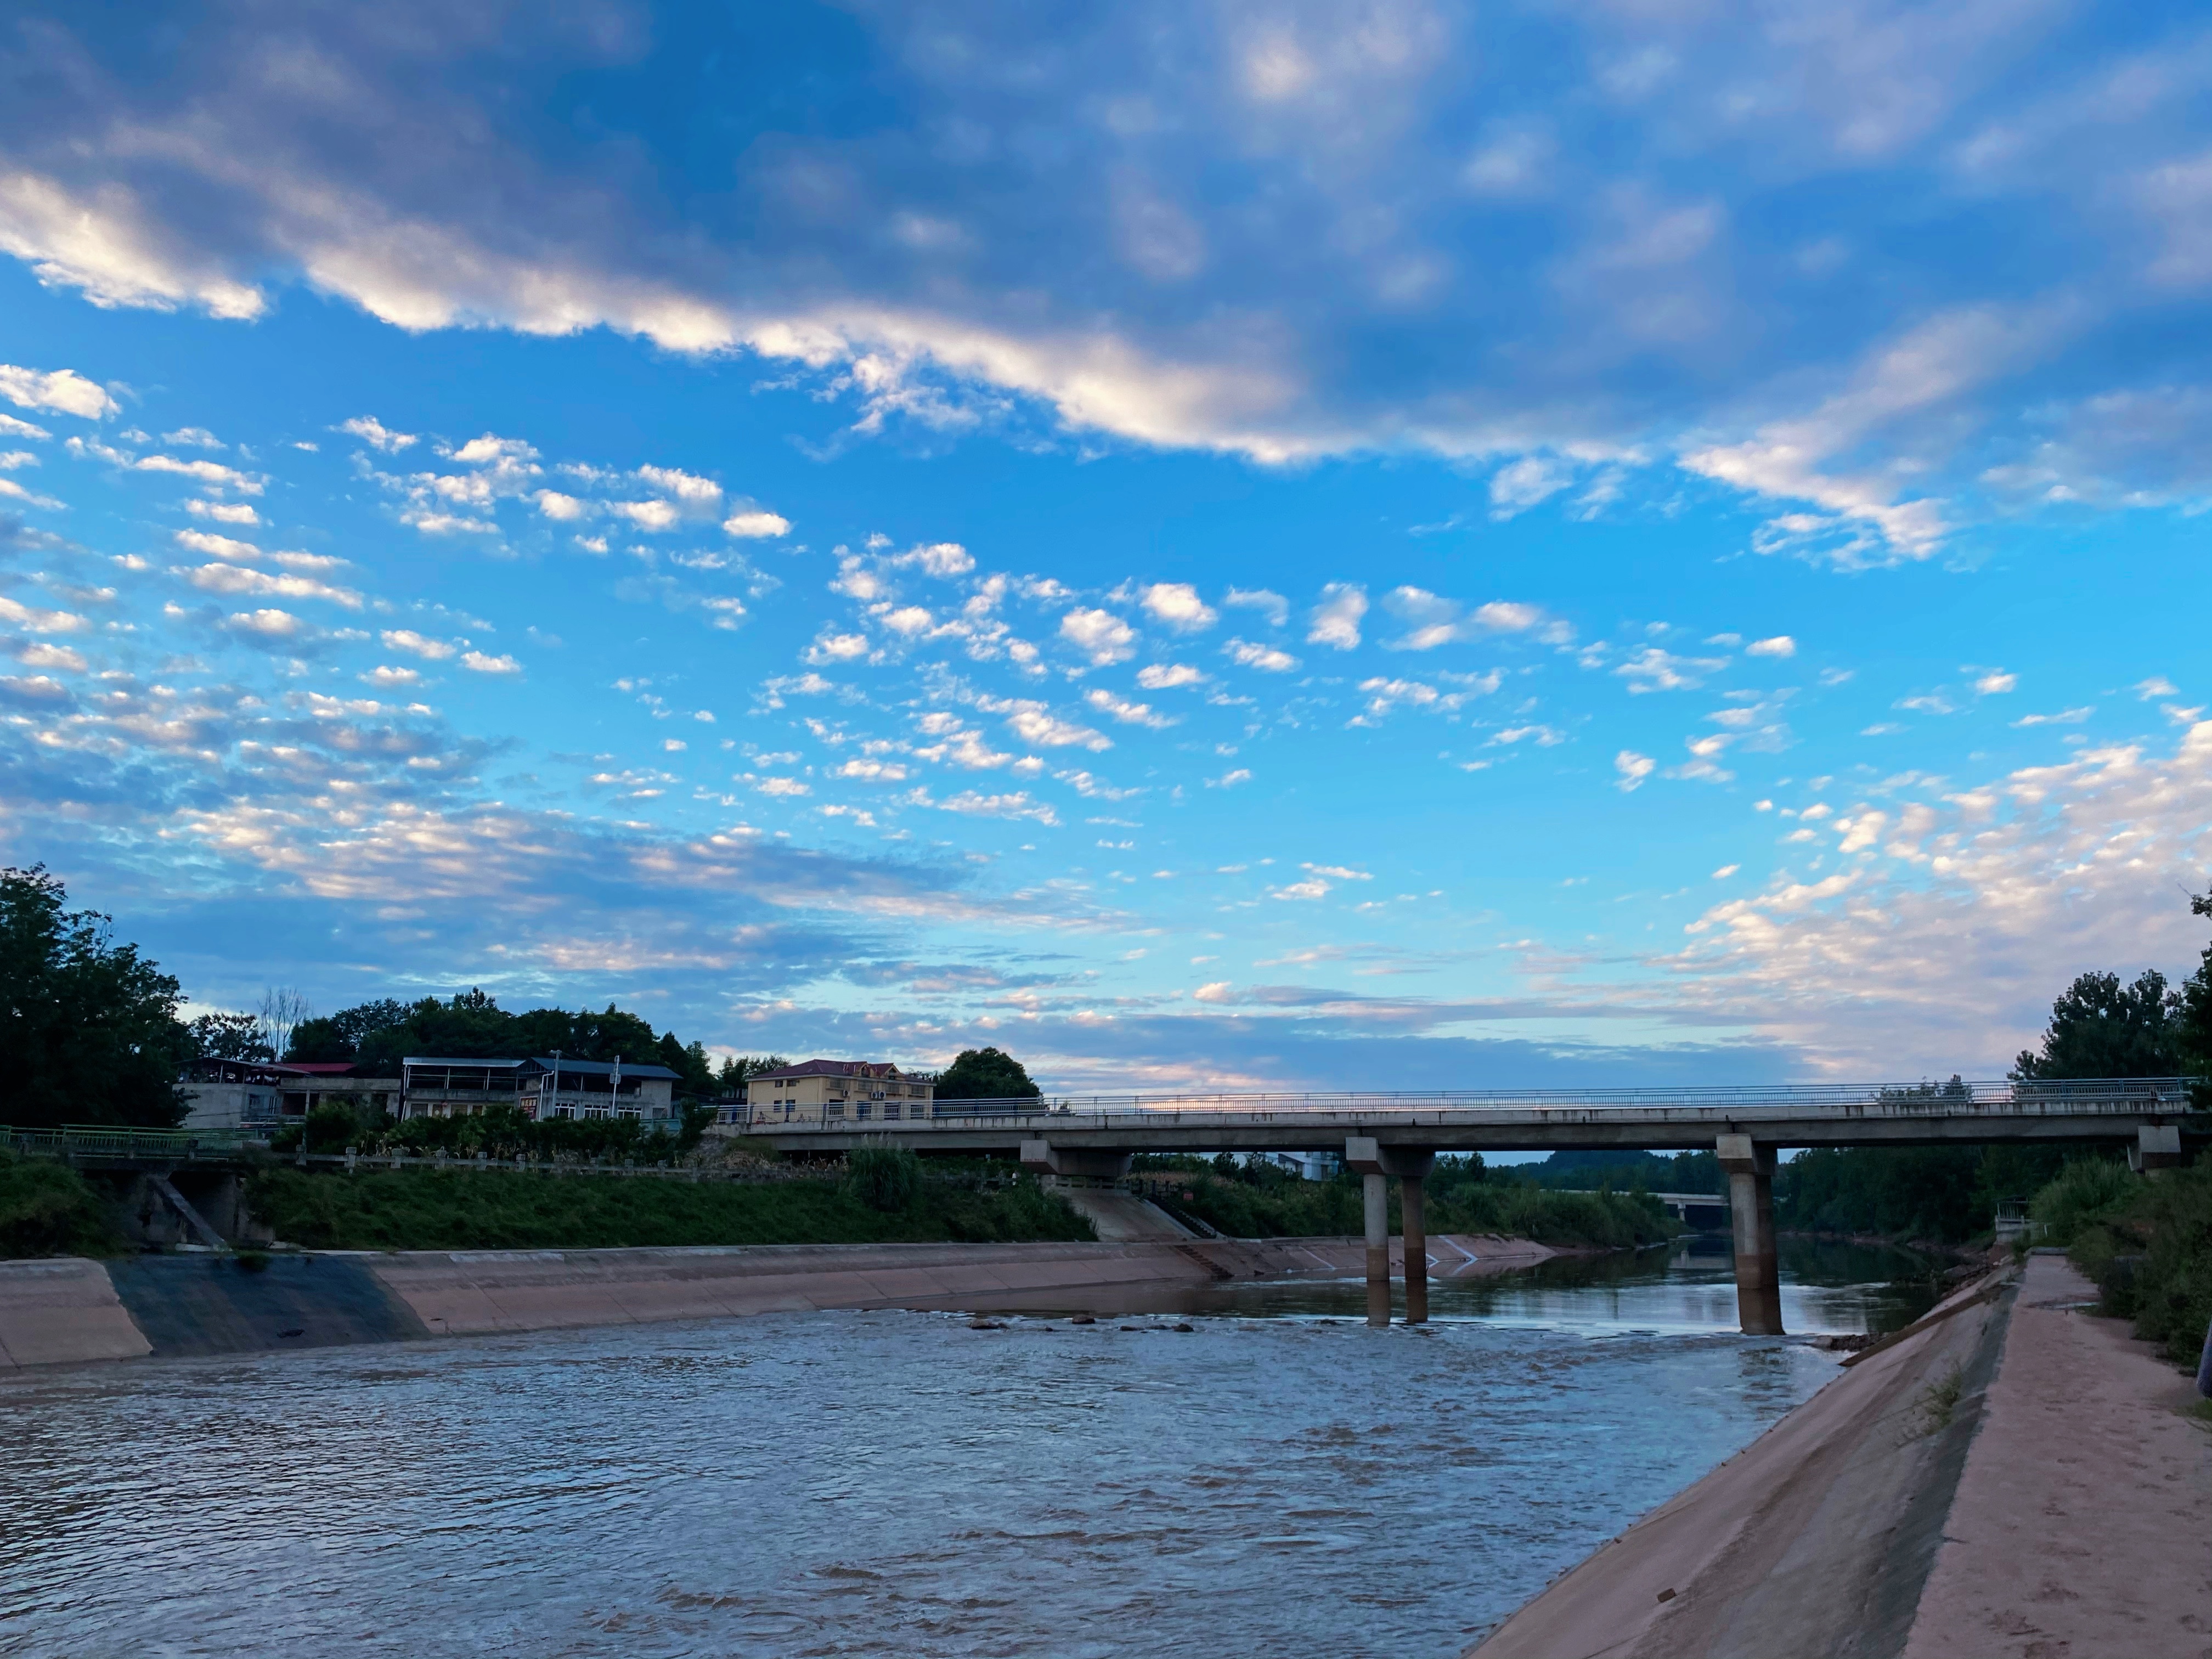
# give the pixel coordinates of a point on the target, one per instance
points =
(2071, 1097)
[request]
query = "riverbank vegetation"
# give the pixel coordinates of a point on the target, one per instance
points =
(48, 1209)
(442, 1210)
(2146, 1242)
(1255, 1199)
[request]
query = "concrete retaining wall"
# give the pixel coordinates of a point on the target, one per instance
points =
(70, 1311)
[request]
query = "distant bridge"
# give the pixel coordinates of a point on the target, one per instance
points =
(1385, 1134)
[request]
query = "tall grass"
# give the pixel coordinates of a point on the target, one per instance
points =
(441, 1210)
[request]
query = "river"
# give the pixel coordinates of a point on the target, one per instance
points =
(1278, 1480)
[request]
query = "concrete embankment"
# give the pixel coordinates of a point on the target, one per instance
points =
(2007, 1477)
(67, 1310)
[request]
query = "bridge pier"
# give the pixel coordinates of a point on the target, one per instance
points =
(1375, 1164)
(1750, 1169)
(2157, 1146)
(1376, 1197)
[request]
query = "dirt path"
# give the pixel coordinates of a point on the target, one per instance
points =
(2083, 1524)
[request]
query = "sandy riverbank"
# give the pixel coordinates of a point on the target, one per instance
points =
(69, 1310)
(2057, 1506)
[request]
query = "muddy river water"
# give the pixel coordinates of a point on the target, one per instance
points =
(1276, 1480)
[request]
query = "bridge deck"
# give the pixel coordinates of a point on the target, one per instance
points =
(1818, 1115)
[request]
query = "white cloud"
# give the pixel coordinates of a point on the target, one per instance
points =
(1336, 618)
(1266, 657)
(1166, 677)
(1433, 620)
(105, 244)
(870, 771)
(1780, 646)
(756, 524)
(1632, 768)
(1177, 605)
(478, 662)
(267, 624)
(784, 787)
(1101, 635)
(1128, 713)
(377, 435)
(1215, 991)
(2156, 686)
(12, 428)
(973, 802)
(383, 675)
(697, 494)
(222, 512)
(1519, 485)
(563, 509)
(837, 648)
(939, 559)
(417, 645)
(1654, 669)
(1726, 871)
(2064, 717)
(40, 622)
(194, 437)
(1230, 780)
(236, 580)
(215, 546)
(1996, 683)
(1312, 888)
(652, 516)
(1271, 605)
(1034, 724)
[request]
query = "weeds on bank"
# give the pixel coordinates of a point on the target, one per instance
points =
(1937, 1404)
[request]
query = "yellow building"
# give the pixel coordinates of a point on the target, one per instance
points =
(837, 1091)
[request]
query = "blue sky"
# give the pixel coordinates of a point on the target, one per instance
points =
(1376, 546)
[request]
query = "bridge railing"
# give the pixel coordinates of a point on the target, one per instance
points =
(2072, 1097)
(112, 1141)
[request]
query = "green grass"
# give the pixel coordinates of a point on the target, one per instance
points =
(48, 1209)
(442, 1210)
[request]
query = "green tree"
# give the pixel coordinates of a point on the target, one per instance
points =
(340, 1037)
(2192, 1019)
(985, 1074)
(89, 1027)
(226, 1036)
(2101, 1028)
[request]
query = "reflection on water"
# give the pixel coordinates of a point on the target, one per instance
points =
(1278, 1480)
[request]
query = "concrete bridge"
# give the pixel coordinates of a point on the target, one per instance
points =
(1398, 1136)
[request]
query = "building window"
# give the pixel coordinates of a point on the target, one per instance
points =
(890, 1114)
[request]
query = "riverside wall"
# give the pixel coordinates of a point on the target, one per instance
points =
(68, 1310)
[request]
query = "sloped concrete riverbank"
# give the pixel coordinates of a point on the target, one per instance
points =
(68, 1310)
(2007, 1476)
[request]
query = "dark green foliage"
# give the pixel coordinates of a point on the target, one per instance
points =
(1259, 1200)
(1685, 1172)
(226, 1036)
(471, 1025)
(48, 1209)
(985, 1074)
(2192, 1018)
(434, 1210)
(1908, 1192)
(2101, 1028)
(2150, 1252)
(883, 1178)
(499, 1132)
(88, 1028)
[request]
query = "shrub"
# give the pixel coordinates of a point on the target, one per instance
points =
(2150, 1253)
(48, 1209)
(2084, 1191)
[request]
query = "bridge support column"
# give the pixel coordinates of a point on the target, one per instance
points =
(1410, 1164)
(1376, 1197)
(1751, 1199)
(1414, 1225)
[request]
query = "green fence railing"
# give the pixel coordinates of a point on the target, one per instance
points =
(103, 1140)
